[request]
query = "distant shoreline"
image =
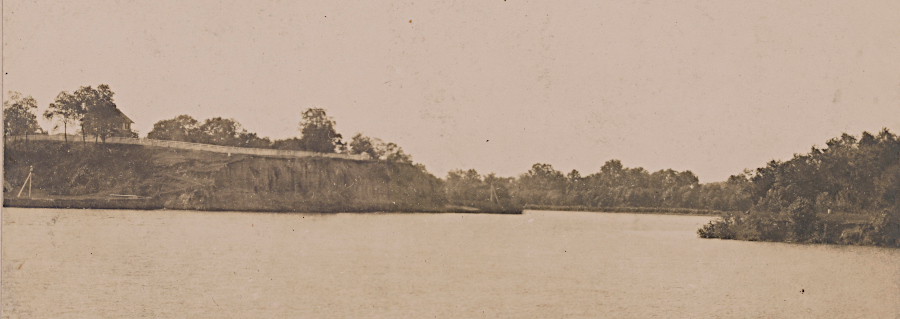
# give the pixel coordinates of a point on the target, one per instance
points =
(152, 204)
(633, 210)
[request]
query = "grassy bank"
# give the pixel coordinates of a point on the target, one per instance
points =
(78, 175)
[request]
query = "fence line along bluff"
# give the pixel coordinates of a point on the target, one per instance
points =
(197, 147)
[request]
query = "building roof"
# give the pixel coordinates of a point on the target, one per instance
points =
(123, 116)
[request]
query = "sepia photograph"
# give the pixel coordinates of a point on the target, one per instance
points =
(450, 159)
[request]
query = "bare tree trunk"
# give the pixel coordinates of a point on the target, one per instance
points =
(65, 132)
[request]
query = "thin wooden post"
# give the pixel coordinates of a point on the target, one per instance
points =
(23, 186)
(494, 195)
(27, 181)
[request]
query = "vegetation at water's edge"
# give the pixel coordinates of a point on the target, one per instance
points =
(800, 223)
(633, 210)
(93, 112)
(847, 192)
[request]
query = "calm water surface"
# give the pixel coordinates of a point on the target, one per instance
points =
(109, 263)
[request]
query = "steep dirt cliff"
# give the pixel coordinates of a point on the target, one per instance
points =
(180, 179)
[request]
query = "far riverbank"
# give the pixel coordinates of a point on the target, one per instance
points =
(632, 210)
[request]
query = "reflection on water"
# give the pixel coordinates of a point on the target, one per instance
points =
(108, 263)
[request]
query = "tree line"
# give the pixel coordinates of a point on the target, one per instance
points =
(814, 197)
(317, 134)
(19, 117)
(94, 113)
(613, 186)
(93, 109)
(851, 175)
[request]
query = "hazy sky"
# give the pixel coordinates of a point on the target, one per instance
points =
(708, 86)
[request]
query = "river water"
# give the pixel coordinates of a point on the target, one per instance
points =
(184, 264)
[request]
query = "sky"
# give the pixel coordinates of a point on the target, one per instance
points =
(714, 87)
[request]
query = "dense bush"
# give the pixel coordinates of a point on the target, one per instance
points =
(848, 192)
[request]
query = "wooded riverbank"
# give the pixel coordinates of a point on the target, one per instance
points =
(845, 193)
(77, 175)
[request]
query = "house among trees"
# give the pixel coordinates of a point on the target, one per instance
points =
(123, 120)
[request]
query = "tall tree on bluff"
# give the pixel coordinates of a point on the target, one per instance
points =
(67, 110)
(372, 146)
(317, 132)
(220, 131)
(377, 149)
(181, 128)
(85, 98)
(94, 108)
(18, 115)
(102, 117)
